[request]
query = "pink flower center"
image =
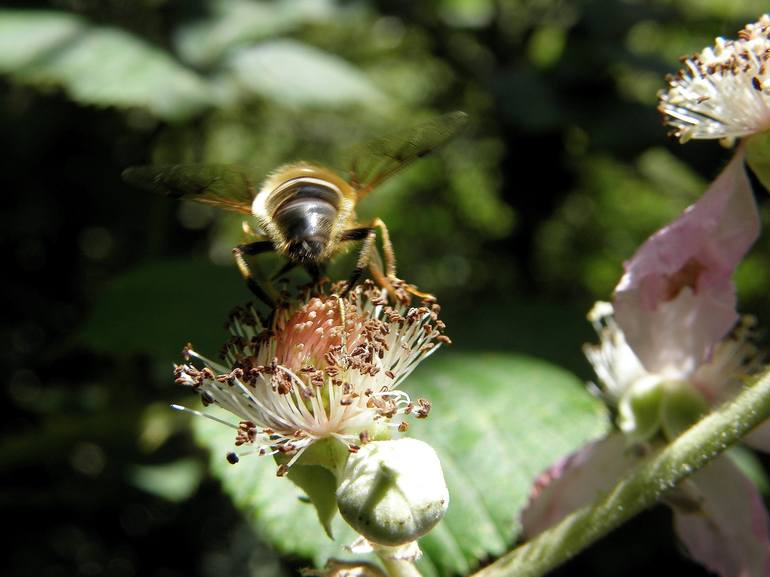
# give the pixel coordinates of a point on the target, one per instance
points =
(687, 276)
(313, 332)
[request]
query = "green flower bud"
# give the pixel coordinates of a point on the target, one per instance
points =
(639, 409)
(682, 407)
(393, 492)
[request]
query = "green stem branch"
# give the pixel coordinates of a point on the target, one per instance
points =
(645, 485)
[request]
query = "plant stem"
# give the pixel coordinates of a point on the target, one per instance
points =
(396, 568)
(642, 487)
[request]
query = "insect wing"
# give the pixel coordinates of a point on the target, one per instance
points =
(376, 161)
(220, 185)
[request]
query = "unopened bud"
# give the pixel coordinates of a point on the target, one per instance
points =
(393, 492)
(639, 409)
(683, 406)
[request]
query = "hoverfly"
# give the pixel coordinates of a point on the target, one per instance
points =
(304, 211)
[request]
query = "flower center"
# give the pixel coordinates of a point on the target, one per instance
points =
(311, 333)
(687, 276)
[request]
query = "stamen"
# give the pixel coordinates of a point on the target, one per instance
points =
(182, 409)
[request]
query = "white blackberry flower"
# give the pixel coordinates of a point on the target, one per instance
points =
(722, 92)
(301, 378)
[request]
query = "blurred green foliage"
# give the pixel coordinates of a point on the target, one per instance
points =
(518, 225)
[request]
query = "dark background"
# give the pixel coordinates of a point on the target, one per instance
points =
(518, 225)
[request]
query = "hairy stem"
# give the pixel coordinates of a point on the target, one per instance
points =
(641, 488)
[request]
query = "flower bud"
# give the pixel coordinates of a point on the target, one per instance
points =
(393, 492)
(683, 406)
(639, 409)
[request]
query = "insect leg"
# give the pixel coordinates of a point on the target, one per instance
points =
(367, 234)
(290, 265)
(387, 248)
(391, 281)
(253, 248)
(316, 271)
(250, 249)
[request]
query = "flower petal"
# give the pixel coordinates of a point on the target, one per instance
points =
(575, 481)
(676, 299)
(727, 533)
(759, 438)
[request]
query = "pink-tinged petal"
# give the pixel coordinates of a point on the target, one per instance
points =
(676, 298)
(575, 481)
(725, 527)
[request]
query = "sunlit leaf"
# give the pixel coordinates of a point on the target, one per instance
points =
(298, 74)
(98, 65)
(497, 422)
(235, 22)
(27, 36)
(467, 13)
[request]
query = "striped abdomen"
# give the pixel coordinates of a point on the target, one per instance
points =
(305, 209)
(305, 216)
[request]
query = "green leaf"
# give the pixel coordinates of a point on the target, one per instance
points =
(27, 36)
(497, 422)
(98, 66)
(236, 22)
(157, 307)
(295, 74)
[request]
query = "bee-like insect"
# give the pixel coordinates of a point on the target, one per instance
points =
(304, 211)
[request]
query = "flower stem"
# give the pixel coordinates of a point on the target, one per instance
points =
(398, 568)
(642, 487)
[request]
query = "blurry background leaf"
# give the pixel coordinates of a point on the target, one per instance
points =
(582, 242)
(181, 301)
(98, 65)
(233, 23)
(29, 36)
(297, 74)
(173, 481)
(497, 422)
